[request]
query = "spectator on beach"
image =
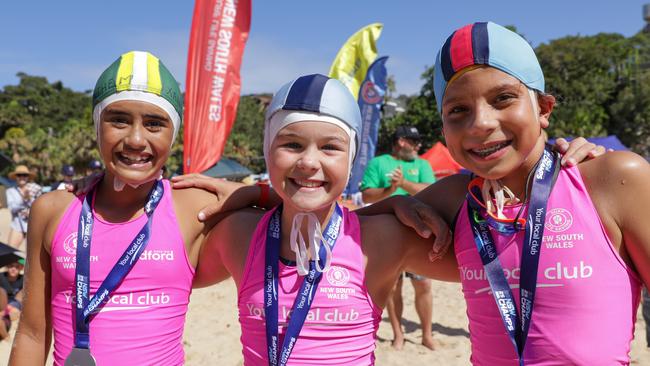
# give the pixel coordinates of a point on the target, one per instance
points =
(67, 171)
(12, 282)
(95, 166)
(402, 172)
(19, 202)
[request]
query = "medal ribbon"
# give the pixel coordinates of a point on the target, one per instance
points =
(86, 307)
(306, 294)
(517, 326)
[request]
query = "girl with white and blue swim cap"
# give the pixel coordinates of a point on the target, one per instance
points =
(309, 256)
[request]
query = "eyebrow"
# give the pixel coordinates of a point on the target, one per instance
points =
(293, 134)
(494, 89)
(117, 112)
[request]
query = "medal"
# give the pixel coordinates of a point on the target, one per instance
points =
(80, 357)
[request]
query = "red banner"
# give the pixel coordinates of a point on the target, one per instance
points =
(217, 39)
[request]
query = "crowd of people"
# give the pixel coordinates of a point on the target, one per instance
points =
(503, 225)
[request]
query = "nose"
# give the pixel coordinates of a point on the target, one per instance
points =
(309, 159)
(484, 119)
(135, 139)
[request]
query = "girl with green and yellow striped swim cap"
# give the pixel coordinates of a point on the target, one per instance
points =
(139, 75)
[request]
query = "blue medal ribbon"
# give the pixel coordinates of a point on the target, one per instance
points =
(306, 294)
(86, 307)
(516, 326)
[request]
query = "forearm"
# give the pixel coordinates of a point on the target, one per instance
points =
(29, 347)
(384, 206)
(413, 188)
(372, 195)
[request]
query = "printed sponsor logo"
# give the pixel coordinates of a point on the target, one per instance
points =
(314, 315)
(558, 220)
(338, 276)
(157, 255)
(126, 301)
(558, 271)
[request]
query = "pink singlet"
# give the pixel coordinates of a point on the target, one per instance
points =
(341, 325)
(142, 323)
(586, 299)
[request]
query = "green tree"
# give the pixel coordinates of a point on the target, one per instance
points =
(46, 125)
(246, 139)
(584, 74)
(421, 112)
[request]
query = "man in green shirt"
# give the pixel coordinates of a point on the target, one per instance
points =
(402, 172)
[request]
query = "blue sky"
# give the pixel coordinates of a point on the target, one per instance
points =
(74, 40)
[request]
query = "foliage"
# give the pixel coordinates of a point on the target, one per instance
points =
(420, 112)
(246, 139)
(46, 125)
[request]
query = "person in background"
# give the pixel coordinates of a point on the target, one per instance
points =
(67, 171)
(402, 172)
(12, 282)
(95, 166)
(19, 202)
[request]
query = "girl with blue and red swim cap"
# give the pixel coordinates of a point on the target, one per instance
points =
(551, 258)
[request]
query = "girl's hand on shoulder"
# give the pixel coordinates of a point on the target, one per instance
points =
(577, 150)
(83, 185)
(230, 195)
(425, 221)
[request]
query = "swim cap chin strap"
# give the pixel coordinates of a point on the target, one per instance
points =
(315, 238)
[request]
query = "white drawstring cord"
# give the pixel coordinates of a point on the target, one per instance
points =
(298, 245)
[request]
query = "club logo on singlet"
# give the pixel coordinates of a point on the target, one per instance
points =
(558, 219)
(338, 276)
(70, 243)
(68, 260)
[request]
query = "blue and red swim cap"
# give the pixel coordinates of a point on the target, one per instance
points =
(486, 43)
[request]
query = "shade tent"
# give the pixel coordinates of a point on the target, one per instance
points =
(610, 142)
(441, 161)
(228, 169)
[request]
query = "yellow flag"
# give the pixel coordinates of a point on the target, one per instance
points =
(354, 58)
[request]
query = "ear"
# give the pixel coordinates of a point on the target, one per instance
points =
(546, 104)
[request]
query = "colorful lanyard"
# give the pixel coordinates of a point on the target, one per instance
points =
(306, 294)
(517, 327)
(85, 306)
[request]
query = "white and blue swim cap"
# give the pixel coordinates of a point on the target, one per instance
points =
(317, 98)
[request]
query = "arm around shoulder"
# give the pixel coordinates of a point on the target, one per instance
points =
(225, 249)
(391, 246)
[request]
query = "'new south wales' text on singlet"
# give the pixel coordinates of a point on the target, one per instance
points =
(142, 322)
(342, 322)
(586, 298)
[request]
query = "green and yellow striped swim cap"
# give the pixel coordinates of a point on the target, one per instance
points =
(138, 75)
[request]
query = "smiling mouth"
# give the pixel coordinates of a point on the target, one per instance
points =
(307, 183)
(489, 150)
(134, 159)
